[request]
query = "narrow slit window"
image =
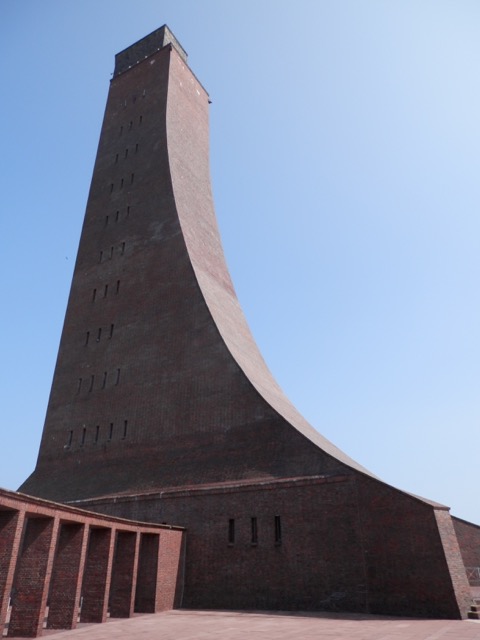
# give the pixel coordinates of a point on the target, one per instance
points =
(87, 338)
(117, 287)
(101, 256)
(136, 148)
(125, 428)
(126, 152)
(128, 211)
(131, 124)
(122, 248)
(111, 253)
(118, 377)
(121, 183)
(121, 129)
(254, 531)
(94, 295)
(110, 431)
(111, 187)
(116, 158)
(92, 380)
(105, 291)
(97, 433)
(99, 334)
(278, 530)
(84, 435)
(79, 387)
(132, 178)
(140, 120)
(70, 438)
(231, 531)
(112, 326)
(106, 220)
(117, 215)
(104, 381)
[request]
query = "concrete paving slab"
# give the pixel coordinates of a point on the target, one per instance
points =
(235, 625)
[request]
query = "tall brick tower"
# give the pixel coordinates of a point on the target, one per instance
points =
(162, 407)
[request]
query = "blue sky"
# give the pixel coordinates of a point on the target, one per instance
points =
(345, 155)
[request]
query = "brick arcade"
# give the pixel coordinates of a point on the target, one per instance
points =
(163, 410)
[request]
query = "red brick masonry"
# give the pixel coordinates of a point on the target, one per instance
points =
(66, 565)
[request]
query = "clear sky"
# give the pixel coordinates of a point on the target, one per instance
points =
(345, 158)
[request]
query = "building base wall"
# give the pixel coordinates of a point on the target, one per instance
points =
(338, 543)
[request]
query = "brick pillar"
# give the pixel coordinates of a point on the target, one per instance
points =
(67, 576)
(97, 574)
(32, 579)
(168, 570)
(147, 574)
(11, 527)
(124, 573)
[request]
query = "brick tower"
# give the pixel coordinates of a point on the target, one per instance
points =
(163, 409)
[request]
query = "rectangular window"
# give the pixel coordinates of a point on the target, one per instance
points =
(117, 215)
(140, 120)
(87, 338)
(136, 148)
(122, 248)
(111, 187)
(106, 220)
(97, 433)
(79, 385)
(130, 125)
(126, 152)
(231, 531)
(111, 330)
(118, 377)
(104, 382)
(70, 438)
(132, 178)
(254, 531)
(128, 211)
(99, 334)
(105, 291)
(110, 431)
(125, 427)
(278, 530)
(101, 256)
(92, 380)
(84, 434)
(121, 129)
(94, 295)
(121, 183)
(116, 158)
(118, 286)
(111, 253)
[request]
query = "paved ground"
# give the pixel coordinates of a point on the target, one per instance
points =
(228, 625)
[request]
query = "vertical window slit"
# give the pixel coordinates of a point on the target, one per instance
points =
(104, 381)
(94, 295)
(92, 380)
(116, 158)
(121, 183)
(128, 211)
(111, 187)
(111, 253)
(132, 178)
(106, 220)
(70, 438)
(118, 286)
(131, 124)
(105, 291)
(111, 330)
(126, 152)
(87, 338)
(79, 385)
(118, 377)
(121, 129)
(278, 530)
(110, 431)
(99, 334)
(231, 531)
(97, 433)
(125, 427)
(122, 248)
(117, 215)
(136, 148)
(84, 433)
(101, 256)
(140, 120)
(254, 531)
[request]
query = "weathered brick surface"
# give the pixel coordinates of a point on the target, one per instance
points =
(125, 562)
(468, 536)
(50, 558)
(160, 393)
(67, 575)
(32, 576)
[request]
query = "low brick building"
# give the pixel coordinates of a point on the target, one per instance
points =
(163, 410)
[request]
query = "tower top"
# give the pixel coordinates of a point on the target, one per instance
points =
(145, 47)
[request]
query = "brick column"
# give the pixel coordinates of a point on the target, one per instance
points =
(147, 574)
(97, 575)
(124, 574)
(11, 527)
(32, 577)
(67, 574)
(168, 570)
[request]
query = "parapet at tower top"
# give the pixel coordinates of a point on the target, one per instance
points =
(146, 47)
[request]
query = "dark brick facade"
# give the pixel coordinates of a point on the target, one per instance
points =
(162, 407)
